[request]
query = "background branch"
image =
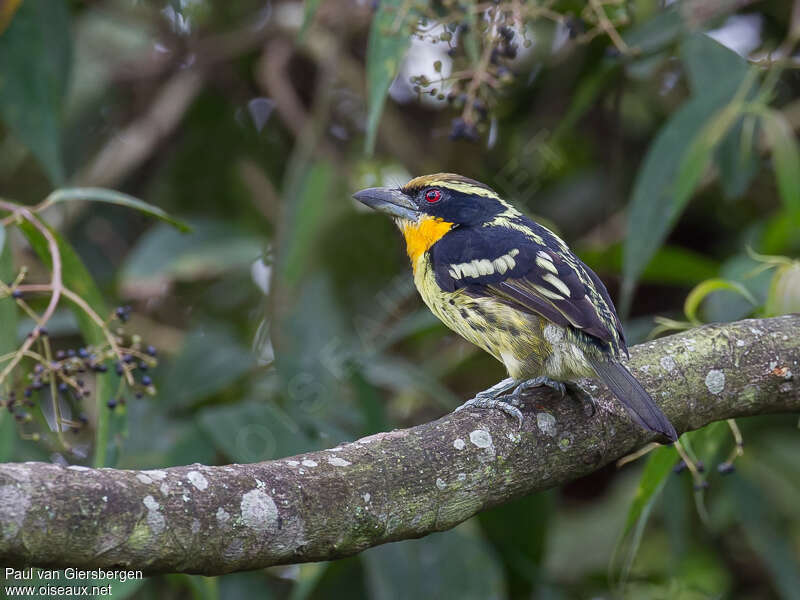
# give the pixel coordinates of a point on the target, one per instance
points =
(386, 487)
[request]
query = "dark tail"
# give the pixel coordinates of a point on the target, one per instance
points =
(636, 400)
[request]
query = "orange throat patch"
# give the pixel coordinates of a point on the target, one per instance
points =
(422, 235)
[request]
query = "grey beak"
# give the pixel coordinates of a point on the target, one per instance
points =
(391, 201)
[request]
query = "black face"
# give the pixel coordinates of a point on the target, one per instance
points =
(455, 206)
(447, 196)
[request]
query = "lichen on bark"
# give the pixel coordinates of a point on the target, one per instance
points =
(389, 486)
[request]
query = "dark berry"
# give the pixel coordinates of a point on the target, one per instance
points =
(575, 26)
(701, 467)
(146, 380)
(71, 353)
(151, 350)
(60, 354)
(83, 353)
(725, 468)
(63, 387)
(112, 404)
(16, 294)
(119, 369)
(460, 129)
(703, 485)
(28, 391)
(680, 467)
(127, 358)
(143, 366)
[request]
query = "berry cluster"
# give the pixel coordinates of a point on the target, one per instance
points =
(484, 39)
(66, 375)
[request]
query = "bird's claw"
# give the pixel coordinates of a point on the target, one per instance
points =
(537, 381)
(480, 401)
(494, 397)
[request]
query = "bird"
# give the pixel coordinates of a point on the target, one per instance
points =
(513, 288)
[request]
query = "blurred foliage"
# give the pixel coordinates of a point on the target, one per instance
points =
(659, 141)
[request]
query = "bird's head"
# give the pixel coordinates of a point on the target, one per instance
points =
(442, 197)
(427, 208)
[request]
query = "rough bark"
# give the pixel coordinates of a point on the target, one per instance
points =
(386, 487)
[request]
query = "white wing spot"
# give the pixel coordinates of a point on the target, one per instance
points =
(547, 293)
(484, 266)
(557, 283)
(500, 265)
(546, 264)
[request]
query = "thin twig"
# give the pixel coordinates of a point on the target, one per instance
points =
(56, 285)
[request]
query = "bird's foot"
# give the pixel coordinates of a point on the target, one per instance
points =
(492, 398)
(536, 382)
(589, 402)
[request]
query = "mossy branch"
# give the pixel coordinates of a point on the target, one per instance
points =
(386, 487)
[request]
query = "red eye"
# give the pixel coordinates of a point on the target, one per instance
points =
(433, 196)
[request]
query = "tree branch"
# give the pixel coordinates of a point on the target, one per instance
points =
(386, 487)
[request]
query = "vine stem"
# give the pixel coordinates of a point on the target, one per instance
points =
(56, 283)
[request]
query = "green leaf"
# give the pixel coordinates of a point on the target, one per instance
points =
(699, 293)
(766, 537)
(737, 158)
(784, 291)
(673, 265)
(387, 45)
(585, 96)
(785, 158)
(521, 548)
(211, 249)
(659, 466)
(92, 194)
(306, 213)
(211, 359)
(708, 62)
(249, 432)
(36, 51)
(453, 564)
(659, 196)
(655, 33)
(8, 343)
